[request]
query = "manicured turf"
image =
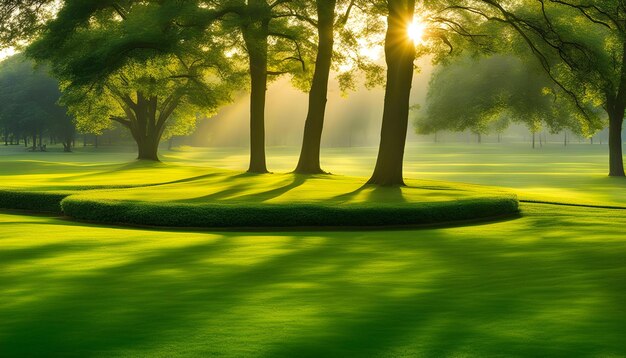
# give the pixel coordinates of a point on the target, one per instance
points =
(575, 174)
(187, 196)
(548, 284)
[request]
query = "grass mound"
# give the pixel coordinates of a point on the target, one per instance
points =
(227, 199)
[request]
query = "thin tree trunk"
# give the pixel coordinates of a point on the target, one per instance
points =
(67, 145)
(255, 37)
(309, 162)
(399, 55)
(616, 163)
(533, 140)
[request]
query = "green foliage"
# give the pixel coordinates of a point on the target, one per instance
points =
(29, 98)
(578, 43)
(122, 62)
(21, 20)
(485, 94)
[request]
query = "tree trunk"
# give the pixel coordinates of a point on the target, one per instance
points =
(309, 162)
(67, 145)
(565, 139)
(399, 55)
(255, 37)
(148, 149)
(533, 140)
(146, 131)
(616, 163)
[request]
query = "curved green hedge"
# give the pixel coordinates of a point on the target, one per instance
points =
(286, 215)
(41, 201)
(45, 200)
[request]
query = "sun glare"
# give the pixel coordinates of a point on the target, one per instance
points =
(416, 31)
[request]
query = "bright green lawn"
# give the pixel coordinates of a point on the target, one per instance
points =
(548, 284)
(577, 173)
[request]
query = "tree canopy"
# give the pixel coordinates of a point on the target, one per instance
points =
(479, 93)
(154, 93)
(30, 97)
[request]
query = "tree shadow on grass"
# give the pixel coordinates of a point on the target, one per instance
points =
(373, 194)
(412, 293)
(232, 192)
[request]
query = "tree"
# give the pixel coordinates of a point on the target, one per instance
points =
(260, 21)
(31, 97)
(509, 88)
(400, 54)
(579, 43)
(20, 20)
(309, 160)
(148, 91)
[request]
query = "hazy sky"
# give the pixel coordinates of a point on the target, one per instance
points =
(6, 52)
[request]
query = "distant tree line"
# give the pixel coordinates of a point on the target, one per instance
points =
(485, 95)
(30, 109)
(154, 67)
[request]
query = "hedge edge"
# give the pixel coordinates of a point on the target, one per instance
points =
(285, 215)
(40, 201)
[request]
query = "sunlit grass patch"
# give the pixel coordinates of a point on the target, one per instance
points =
(547, 284)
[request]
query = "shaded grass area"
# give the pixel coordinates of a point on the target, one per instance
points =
(548, 284)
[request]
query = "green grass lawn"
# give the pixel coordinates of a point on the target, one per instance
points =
(550, 283)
